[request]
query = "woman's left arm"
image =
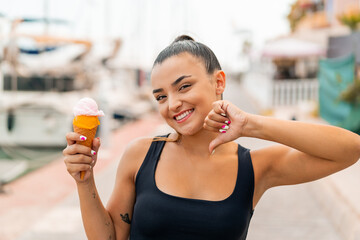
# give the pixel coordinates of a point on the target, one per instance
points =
(307, 151)
(322, 141)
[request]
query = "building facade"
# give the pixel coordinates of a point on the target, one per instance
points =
(317, 20)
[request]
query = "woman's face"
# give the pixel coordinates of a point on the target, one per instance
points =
(185, 92)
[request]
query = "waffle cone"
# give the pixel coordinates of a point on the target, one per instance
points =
(88, 133)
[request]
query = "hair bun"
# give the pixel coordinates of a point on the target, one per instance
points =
(183, 38)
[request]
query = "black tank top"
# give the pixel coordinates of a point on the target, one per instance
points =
(160, 216)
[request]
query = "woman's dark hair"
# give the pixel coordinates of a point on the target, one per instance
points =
(185, 43)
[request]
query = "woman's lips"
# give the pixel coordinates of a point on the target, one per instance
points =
(183, 116)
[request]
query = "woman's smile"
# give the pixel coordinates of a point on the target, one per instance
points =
(183, 116)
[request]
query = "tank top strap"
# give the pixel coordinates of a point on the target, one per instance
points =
(145, 174)
(244, 188)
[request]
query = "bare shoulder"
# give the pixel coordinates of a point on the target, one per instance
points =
(138, 147)
(133, 156)
(136, 150)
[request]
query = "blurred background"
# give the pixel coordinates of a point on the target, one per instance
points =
(291, 59)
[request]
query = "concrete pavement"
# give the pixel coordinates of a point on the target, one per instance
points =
(288, 212)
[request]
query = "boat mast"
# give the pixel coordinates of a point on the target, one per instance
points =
(46, 17)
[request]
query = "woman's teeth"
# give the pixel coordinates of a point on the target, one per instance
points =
(180, 117)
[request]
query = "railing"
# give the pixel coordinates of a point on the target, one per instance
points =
(292, 92)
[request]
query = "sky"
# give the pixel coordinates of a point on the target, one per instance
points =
(147, 26)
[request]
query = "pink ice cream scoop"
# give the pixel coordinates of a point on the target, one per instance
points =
(87, 107)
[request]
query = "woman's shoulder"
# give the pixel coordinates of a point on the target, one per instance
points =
(138, 146)
(133, 156)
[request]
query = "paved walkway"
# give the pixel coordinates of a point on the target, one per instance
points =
(289, 212)
(36, 206)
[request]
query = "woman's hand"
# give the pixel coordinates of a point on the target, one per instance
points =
(227, 119)
(80, 158)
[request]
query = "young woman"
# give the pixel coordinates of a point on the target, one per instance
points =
(197, 183)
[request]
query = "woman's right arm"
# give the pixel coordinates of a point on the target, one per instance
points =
(114, 221)
(96, 219)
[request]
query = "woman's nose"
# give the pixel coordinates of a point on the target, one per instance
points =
(174, 104)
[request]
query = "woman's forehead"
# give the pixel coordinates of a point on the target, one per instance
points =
(175, 66)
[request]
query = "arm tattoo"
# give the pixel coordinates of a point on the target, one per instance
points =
(125, 218)
(94, 195)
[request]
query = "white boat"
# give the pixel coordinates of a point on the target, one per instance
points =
(36, 119)
(38, 91)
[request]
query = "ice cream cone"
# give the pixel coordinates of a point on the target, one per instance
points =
(86, 122)
(90, 135)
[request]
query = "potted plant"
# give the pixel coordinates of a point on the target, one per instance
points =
(351, 95)
(350, 18)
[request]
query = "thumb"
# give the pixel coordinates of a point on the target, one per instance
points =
(214, 143)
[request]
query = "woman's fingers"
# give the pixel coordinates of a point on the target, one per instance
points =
(77, 149)
(215, 126)
(216, 121)
(220, 106)
(78, 163)
(218, 117)
(73, 137)
(79, 158)
(76, 169)
(220, 120)
(213, 129)
(96, 146)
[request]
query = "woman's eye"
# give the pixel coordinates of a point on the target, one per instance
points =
(184, 86)
(159, 98)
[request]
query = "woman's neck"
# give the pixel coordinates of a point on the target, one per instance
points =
(198, 144)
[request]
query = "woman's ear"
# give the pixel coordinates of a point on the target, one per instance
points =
(220, 81)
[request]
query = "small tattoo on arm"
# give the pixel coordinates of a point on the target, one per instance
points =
(110, 237)
(94, 195)
(125, 218)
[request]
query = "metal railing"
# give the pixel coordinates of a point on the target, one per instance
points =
(292, 92)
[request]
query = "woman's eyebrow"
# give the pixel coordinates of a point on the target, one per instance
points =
(158, 90)
(177, 81)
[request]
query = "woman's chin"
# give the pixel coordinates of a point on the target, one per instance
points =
(190, 131)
